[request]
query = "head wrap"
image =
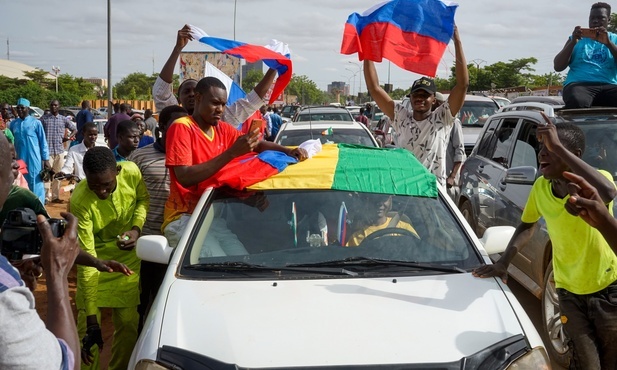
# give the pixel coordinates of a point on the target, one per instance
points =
(24, 102)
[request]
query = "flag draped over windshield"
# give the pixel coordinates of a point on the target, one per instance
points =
(413, 34)
(276, 55)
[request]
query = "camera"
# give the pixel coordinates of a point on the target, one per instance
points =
(20, 235)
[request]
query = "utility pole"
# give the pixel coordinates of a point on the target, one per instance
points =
(8, 54)
(56, 70)
(109, 85)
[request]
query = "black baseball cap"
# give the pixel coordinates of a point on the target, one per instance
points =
(424, 83)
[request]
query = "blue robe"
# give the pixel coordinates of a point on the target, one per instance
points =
(31, 147)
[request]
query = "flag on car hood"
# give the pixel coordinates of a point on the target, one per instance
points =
(234, 91)
(357, 168)
(276, 55)
(413, 34)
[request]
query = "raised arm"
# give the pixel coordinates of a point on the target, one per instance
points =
(383, 100)
(562, 59)
(184, 36)
(457, 96)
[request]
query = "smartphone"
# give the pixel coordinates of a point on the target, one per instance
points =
(590, 33)
(256, 124)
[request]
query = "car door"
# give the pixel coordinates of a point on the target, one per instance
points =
(494, 149)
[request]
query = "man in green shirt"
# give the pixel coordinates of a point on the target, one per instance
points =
(111, 205)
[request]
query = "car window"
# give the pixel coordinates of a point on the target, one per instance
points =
(325, 117)
(475, 113)
(527, 146)
(283, 227)
(601, 146)
(348, 136)
(487, 142)
(504, 139)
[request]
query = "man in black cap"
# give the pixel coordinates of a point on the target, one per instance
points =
(421, 130)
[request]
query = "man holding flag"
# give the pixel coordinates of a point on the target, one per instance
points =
(422, 131)
(235, 113)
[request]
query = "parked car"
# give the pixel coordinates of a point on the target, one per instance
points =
(295, 133)
(103, 112)
(288, 111)
(322, 113)
(496, 180)
(68, 113)
(473, 115)
(36, 112)
(296, 298)
(500, 100)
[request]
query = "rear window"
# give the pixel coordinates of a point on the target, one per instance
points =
(347, 136)
(475, 113)
(339, 116)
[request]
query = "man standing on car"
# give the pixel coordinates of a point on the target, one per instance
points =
(55, 125)
(422, 131)
(592, 58)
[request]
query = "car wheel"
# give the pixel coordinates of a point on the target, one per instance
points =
(558, 347)
(467, 212)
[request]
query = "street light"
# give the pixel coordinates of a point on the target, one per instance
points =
(354, 79)
(358, 71)
(477, 62)
(56, 70)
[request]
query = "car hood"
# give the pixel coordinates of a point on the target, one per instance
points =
(470, 134)
(284, 323)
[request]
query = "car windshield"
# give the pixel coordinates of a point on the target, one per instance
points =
(334, 116)
(475, 113)
(348, 136)
(280, 230)
(600, 141)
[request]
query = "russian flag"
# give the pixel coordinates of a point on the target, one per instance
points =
(234, 91)
(413, 34)
(275, 55)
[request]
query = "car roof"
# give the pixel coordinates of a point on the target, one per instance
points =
(322, 108)
(553, 100)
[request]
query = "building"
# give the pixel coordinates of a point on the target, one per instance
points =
(13, 69)
(102, 82)
(338, 86)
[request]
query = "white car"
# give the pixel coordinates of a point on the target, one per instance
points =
(299, 272)
(350, 132)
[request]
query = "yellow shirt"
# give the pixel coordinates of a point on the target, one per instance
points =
(358, 236)
(100, 222)
(583, 262)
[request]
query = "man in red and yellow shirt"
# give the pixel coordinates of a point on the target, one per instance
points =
(198, 146)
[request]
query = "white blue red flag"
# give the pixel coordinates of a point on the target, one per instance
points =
(413, 34)
(234, 91)
(276, 56)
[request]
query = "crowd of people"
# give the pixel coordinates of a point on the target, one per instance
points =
(149, 176)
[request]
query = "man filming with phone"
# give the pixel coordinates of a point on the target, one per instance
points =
(591, 54)
(199, 146)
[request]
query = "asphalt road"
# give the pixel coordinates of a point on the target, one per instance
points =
(532, 306)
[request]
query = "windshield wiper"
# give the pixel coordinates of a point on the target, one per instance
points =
(377, 261)
(244, 267)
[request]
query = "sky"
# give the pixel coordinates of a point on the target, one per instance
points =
(72, 34)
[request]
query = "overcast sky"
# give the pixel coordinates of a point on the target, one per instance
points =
(72, 34)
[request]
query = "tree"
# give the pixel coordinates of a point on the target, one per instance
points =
(40, 77)
(612, 23)
(306, 90)
(251, 79)
(136, 85)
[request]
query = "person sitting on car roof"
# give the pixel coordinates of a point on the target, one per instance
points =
(591, 55)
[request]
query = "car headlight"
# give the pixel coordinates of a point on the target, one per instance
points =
(537, 358)
(150, 365)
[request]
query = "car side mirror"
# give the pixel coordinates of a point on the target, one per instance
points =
(523, 175)
(495, 239)
(154, 248)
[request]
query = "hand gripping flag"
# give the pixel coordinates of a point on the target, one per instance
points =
(413, 34)
(275, 55)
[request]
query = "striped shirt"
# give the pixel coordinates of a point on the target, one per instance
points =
(54, 131)
(151, 162)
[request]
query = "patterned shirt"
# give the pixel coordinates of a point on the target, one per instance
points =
(151, 162)
(426, 139)
(54, 131)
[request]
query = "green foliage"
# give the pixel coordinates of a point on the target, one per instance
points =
(136, 85)
(251, 80)
(306, 90)
(612, 23)
(399, 94)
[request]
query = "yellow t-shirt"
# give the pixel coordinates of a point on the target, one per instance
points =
(583, 262)
(358, 236)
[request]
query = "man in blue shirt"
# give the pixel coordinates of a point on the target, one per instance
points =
(31, 147)
(83, 116)
(591, 55)
(277, 121)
